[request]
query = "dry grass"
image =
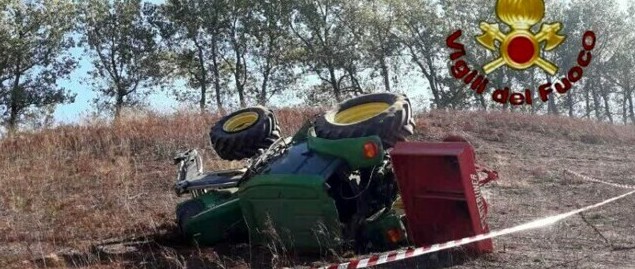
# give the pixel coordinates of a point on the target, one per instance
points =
(497, 126)
(72, 186)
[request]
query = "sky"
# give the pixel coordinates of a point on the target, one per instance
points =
(159, 101)
(83, 105)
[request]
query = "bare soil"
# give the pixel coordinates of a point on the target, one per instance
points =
(66, 190)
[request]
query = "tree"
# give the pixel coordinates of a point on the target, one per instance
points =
(35, 38)
(235, 57)
(616, 65)
(420, 32)
(374, 48)
(124, 49)
(329, 40)
(193, 31)
(467, 15)
(272, 48)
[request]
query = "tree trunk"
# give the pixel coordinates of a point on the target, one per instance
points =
(500, 79)
(262, 99)
(436, 98)
(238, 68)
(336, 88)
(268, 69)
(203, 81)
(587, 102)
(15, 98)
(631, 112)
(624, 110)
(429, 76)
(552, 108)
(385, 73)
(12, 124)
(596, 103)
(629, 93)
(217, 88)
(570, 105)
(203, 101)
(481, 100)
(240, 87)
(241, 93)
(607, 105)
(119, 104)
(533, 94)
(357, 87)
(433, 83)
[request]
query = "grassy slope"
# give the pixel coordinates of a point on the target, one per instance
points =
(70, 187)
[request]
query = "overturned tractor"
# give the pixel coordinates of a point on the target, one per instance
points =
(346, 180)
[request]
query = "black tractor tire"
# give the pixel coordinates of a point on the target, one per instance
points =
(241, 134)
(386, 115)
(186, 211)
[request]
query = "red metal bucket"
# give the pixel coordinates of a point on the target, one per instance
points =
(440, 191)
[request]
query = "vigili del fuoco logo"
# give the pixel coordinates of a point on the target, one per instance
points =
(519, 49)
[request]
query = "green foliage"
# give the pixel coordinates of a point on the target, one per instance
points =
(330, 43)
(238, 47)
(34, 55)
(193, 32)
(124, 50)
(272, 47)
(320, 49)
(239, 53)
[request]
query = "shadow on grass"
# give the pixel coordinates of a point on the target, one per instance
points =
(167, 249)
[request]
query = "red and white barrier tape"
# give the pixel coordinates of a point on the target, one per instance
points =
(539, 223)
(587, 178)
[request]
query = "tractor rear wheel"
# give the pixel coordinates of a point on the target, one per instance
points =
(386, 115)
(241, 134)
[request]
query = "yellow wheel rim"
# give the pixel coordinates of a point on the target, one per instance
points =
(240, 122)
(360, 113)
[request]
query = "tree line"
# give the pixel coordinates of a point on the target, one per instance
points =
(248, 52)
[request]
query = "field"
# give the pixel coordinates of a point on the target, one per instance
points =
(66, 189)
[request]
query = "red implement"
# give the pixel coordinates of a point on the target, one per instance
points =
(440, 189)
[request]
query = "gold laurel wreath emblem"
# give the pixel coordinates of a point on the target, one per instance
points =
(520, 48)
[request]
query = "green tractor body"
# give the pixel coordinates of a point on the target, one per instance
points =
(220, 217)
(289, 201)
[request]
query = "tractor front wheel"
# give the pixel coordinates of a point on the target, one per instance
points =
(241, 134)
(186, 211)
